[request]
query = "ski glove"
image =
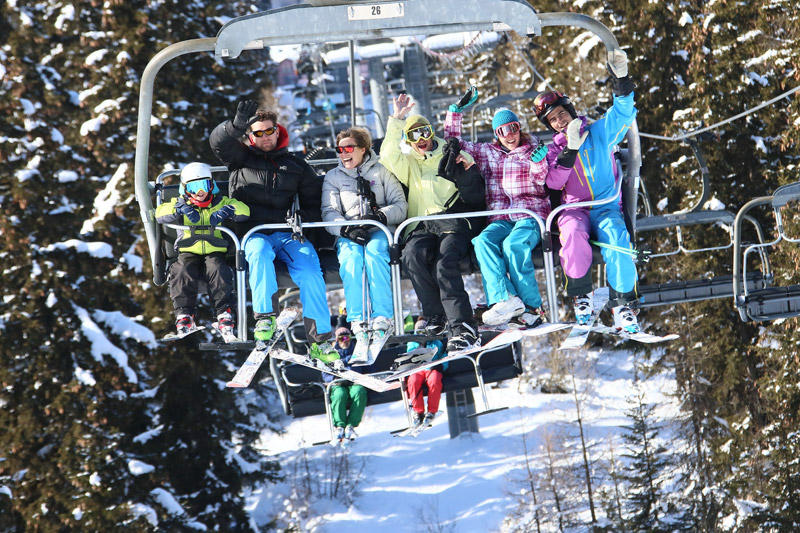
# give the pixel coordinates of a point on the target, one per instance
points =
(447, 164)
(618, 63)
(182, 208)
(467, 100)
(621, 83)
(357, 234)
(574, 137)
(378, 216)
(569, 154)
(223, 213)
(245, 114)
(539, 153)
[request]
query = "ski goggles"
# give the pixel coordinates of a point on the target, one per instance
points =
(268, 131)
(420, 133)
(507, 129)
(343, 338)
(543, 101)
(346, 149)
(200, 186)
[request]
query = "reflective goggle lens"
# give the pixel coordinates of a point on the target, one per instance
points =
(507, 129)
(543, 100)
(199, 186)
(343, 338)
(423, 132)
(345, 149)
(268, 131)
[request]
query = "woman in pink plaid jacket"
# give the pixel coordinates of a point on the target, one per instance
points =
(515, 168)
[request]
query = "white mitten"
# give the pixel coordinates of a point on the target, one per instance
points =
(618, 63)
(574, 137)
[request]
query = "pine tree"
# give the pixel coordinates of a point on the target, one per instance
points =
(84, 383)
(647, 464)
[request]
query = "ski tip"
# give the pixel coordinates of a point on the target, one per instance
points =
(234, 385)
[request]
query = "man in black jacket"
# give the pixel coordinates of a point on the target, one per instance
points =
(266, 177)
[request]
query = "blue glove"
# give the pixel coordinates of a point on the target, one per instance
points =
(223, 213)
(182, 208)
(539, 153)
(467, 100)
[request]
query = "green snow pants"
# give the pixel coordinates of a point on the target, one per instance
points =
(342, 397)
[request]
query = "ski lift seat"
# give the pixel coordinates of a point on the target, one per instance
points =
(302, 387)
(659, 222)
(675, 292)
(765, 302)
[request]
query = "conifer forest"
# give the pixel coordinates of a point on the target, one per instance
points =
(103, 427)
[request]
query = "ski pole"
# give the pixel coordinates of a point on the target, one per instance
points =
(640, 256)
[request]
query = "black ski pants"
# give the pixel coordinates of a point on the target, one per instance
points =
(432, 262)
(189, 270)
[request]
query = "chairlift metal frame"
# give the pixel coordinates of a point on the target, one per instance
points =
(764, 302)
(339, 21)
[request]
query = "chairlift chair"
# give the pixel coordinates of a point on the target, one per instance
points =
(333, 20)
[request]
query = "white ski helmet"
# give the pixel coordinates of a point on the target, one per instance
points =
(196, 171)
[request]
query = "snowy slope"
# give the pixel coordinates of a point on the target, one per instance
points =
(466, 484)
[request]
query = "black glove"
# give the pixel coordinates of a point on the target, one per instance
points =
(378, 216)
(447, 164)
(357, 234)
(223, 213)
(182, 208)
(621, 86)
(245, 114)
(567, 158)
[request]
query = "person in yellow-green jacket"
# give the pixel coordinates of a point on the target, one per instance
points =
(441, 179)
(200, 202)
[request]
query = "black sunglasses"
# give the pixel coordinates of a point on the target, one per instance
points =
(268, 131)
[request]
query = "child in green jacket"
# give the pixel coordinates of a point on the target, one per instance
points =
(200, 202)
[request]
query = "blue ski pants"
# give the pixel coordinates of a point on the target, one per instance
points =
(353, 260)
(303, 263)
(504, 252)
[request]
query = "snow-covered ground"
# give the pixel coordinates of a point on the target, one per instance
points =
(470, 483)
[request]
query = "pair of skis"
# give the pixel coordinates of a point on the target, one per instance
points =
(248, 370)
(393, 380)
(227, 337)
(175, 336)
(366, 353)
(414, 430)
(580, 332)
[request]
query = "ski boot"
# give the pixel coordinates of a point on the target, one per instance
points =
(265, 328)
(326, 355)
(185, 324)
(584, 307)
(226, 324)
(464, 337)
(625, 319)
(531, 318)
(436, 325)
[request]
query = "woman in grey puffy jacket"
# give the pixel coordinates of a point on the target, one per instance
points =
(360, 188)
